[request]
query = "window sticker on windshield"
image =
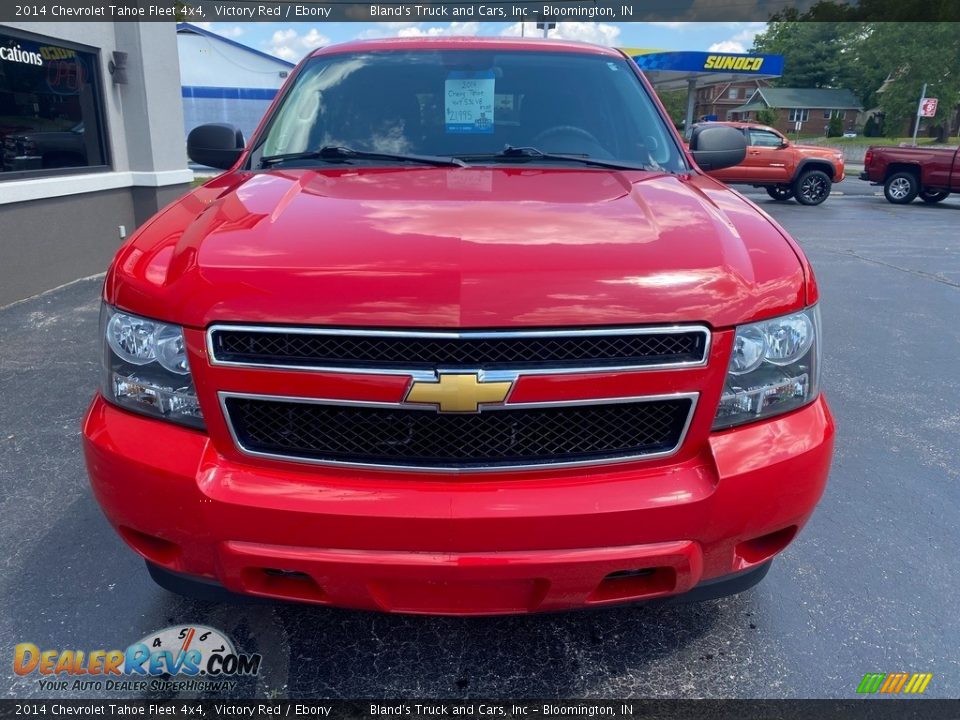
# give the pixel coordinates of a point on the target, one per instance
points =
(468, 101)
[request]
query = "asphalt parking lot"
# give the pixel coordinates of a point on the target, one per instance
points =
(869, 586)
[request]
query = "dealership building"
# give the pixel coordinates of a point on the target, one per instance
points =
(92, 140)
(225, 81)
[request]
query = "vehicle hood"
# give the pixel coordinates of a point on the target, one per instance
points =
(459, 247)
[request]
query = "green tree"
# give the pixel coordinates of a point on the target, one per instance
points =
(912, 54)
(817, 54)
(834, 11)
(884, 63)
(873, 126)
(767, 116)
(675, 102)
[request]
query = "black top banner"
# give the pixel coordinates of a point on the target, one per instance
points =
(495, 11)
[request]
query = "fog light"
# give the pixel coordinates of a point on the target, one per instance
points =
(764, 399)
(156, 399)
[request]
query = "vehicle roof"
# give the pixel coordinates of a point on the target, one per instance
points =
(739, 124)
(468, 43)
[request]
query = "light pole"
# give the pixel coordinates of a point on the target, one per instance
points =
(916, 120)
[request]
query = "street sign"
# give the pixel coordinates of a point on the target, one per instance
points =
(928, 107)
(546, 26)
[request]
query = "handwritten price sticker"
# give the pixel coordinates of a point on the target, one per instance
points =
(468, 101)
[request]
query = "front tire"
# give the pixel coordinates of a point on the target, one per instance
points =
(780, 193)
(812, 187)
(901, 188)
(933, 196)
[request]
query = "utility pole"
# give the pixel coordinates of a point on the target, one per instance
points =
(916, 120)
(546, 27)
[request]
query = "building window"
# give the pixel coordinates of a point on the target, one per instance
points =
(799, 115)
(50, 107)
(733, 93)
(828, 114)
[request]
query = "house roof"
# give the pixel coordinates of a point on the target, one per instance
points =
(749, 107)
(190, 28)
(832, 98)
(759, 82)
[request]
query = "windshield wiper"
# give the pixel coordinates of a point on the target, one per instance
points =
(510, 152)
(335, 152)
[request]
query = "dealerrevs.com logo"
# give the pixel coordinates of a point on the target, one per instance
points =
(179, 658)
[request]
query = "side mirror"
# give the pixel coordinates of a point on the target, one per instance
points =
(717, 146)
(784, 143)
(215, 145)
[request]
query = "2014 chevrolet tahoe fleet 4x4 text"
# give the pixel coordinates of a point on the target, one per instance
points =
(464, 329)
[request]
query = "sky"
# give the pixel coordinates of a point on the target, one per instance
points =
(291, 41)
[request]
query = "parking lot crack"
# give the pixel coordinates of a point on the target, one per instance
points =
(919, 273)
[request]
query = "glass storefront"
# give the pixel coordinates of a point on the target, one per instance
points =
(50, 107)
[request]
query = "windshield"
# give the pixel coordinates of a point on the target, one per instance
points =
(469, 104)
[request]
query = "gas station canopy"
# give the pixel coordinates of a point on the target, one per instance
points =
(679, 69)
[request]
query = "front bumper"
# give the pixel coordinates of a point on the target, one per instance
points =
(463, 545)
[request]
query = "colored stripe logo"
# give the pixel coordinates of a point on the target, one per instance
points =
(895, 683)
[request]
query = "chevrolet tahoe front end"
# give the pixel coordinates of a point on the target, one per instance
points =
(398, 367)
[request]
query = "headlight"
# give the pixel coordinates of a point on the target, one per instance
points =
(146, 368)
(131, 338)
(774, 368)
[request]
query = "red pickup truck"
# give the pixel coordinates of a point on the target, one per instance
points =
(463, 329)
(909, 172)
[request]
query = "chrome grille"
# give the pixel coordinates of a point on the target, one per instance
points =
(398, 350)
(506, 436)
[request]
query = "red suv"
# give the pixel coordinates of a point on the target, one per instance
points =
(464, 329)
(787, 170)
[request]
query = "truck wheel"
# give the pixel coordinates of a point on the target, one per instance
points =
(901, 188)
(780, 192)
(812, 187)
(933, 196)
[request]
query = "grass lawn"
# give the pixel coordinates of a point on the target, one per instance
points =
(864, 140)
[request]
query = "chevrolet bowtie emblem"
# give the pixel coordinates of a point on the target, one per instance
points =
(458, 392)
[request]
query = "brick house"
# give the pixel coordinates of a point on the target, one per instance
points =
(717, 99)
(812, 107)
